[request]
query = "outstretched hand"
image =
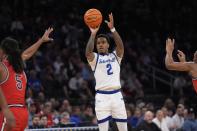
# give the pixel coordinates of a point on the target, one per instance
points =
(110, 23)
(45, 37)
(181, 56)
(94, 30)
(170, 45)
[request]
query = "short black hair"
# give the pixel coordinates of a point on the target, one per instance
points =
(104, 36)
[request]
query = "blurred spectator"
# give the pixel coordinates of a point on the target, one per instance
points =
(66, 106)
(160, 121)
(36, 122)
(179, 84)
(76, 115)
(167, 118)
(150, 106)
(169, 104)
(75, 84)
(32, 112)
(135, 118)
(44, 122)
(178, 118)
(17, 25)
(47, 112)
(147, 124)
(65, 120)
(57, 65)
(88, 114)
(190, 123)
(85, 92)
(34, 83)
(94, 121)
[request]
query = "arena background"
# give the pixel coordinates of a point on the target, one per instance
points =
(60, 82)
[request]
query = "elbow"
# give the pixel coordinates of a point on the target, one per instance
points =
(87, 54)
(24, 57)
(169, 66)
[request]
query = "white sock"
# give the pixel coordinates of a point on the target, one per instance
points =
(122, 126)
(104, 126)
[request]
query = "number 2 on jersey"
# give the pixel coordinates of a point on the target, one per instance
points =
(19, 85)
(109, 69)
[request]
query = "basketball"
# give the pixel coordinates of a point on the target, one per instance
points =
(93, 18)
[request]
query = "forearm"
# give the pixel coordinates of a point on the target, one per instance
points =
(29, 52)
(90, 45)
(119, 43)
(168, 59)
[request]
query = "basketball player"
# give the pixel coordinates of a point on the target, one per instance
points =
(13, 79)
(190, 67)
(106, 67)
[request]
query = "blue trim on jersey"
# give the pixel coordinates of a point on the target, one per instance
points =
(96, 62)
(119, 120)
(116, 57)
(105, 119)
(107, 92)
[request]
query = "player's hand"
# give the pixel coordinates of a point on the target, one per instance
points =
(110, 23)
(94, 30)
(10, 120)
(181, 56)
(45, 37)
(169, 45)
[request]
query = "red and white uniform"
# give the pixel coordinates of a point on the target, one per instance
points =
(194, 81)
(14, 87)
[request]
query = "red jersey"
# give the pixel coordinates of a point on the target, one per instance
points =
(14, 86)
(194, 81)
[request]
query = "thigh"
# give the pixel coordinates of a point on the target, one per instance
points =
(2, 121)
(102, 106)
(118, 107)
(21, 118)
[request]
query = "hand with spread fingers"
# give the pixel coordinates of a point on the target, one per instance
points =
(45, 37)
(110, 23)
(181, 56)
(170, 45)
(94, 30)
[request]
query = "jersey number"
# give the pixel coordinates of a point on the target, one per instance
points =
(109, 69)
(19, 85)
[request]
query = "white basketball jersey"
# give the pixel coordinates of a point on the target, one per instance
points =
(106, 70)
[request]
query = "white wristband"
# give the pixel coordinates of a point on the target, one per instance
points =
(113, 29)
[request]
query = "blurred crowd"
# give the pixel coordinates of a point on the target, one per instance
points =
(142, 115)
(61, 84)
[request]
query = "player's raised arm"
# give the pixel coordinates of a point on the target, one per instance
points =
(169, 61)
(29, 52)
(116, 36)
(90, 45)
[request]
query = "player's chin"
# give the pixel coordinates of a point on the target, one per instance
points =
(101, 51)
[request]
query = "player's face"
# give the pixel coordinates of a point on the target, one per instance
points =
(102, 45)
(195, 57)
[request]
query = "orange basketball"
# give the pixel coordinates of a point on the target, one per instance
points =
(93, 18)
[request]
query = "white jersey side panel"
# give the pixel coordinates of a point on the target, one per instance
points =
(107, 70)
